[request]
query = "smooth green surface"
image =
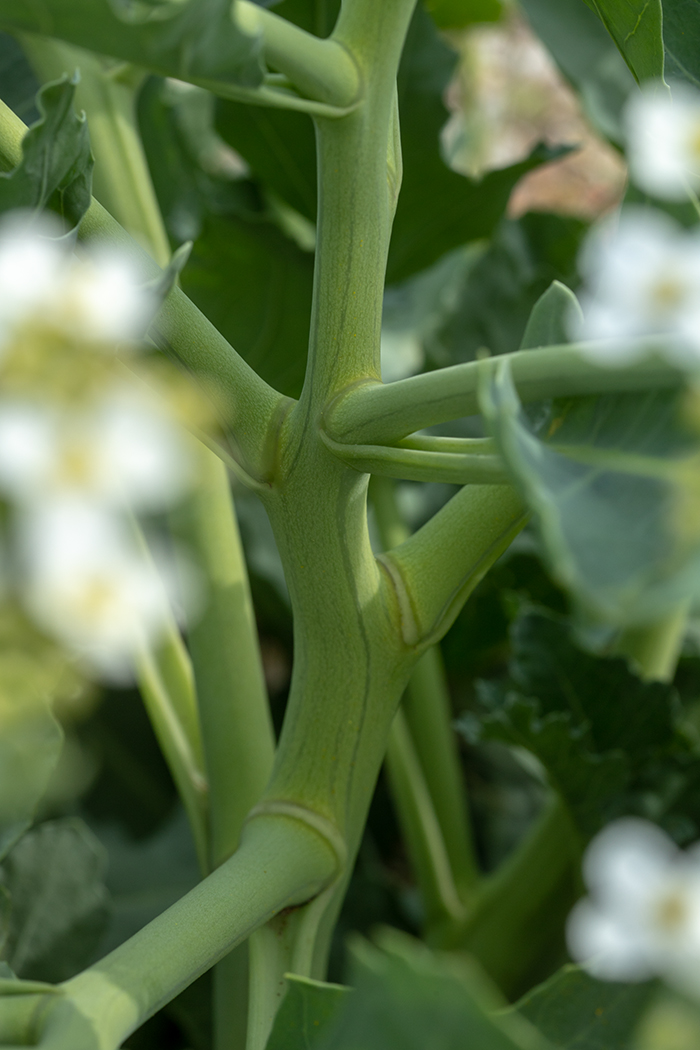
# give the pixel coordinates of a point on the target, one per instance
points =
(681, 32)
(577, 1012)
(306, 1012)
(59, 907)
(635, 26)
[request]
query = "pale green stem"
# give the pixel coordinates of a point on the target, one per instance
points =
(421, 830)
(427, 710)
(121, 181)
(455, 468)
(104, 1004)
(376, 413)
(234, 713)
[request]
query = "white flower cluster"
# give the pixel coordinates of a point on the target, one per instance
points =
(642, 916)
(641, 270)
(75, 466)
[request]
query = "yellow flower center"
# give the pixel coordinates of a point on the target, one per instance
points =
(671, 912)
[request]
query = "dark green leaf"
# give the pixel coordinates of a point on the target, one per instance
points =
(607, 740)
(438, 209)
(613, 492)
(577, 1012)
(56, 166)
(315, 16)
(195, 39)
(581, 46)
(18, 85)
(635, 26)
(408, 998)
(305, 1014)
(681, 30)
(456, 14)
(60, 906)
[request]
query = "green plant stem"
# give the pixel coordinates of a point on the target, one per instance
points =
(107, 93)
(436, 569)
(427, 710)
(373, 413)
(101, 1006)
(422, 832)
(507, 924)
(236, 724)
(410, 464)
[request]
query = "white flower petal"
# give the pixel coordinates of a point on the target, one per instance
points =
(663, 139)
(606, 948)
(626, 863)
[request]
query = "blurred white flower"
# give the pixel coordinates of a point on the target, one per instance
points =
(642, 918)
(87, 583)
(97, 299)
(122, 450)
(663, 139)
(641, 276)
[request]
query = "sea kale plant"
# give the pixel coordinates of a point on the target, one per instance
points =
(235, 263)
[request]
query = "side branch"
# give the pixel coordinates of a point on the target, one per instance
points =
(247, 406)
(417, 464)
(105, 1003)
(437, 568)
(378, 413)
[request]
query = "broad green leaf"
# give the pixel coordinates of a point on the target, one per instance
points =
(682, 39)
(192, 39)
(549, 321)
(438, 210)
(305, 1014)
(60, 907)
(315, 16)
(635, 26)
(577, 1012)
(56, 166)
(607, 740)
(581, 46)
(611, 482)
(409, 998)
(456, 14)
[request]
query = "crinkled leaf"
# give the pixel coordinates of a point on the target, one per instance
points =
(611, 481)
(576, 1012)
(438, 210)
(583, 50)
(305, 1014)
(197, 39)
(635, 26)
(409, 998)
(56, 166)
(607, 740)
(60, 907)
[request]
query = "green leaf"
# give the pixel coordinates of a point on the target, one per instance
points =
(306, 1011)
(635, 26)
(583, 50)
(315, 16)
(409, 998)
(607, 740)
(197, 39)
(550, 318)
(456, 14)
(439, 210)
(60, 907)
(18, 84)
(682, 39)
(56, 166)
(611, 482)
(576, 1012)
